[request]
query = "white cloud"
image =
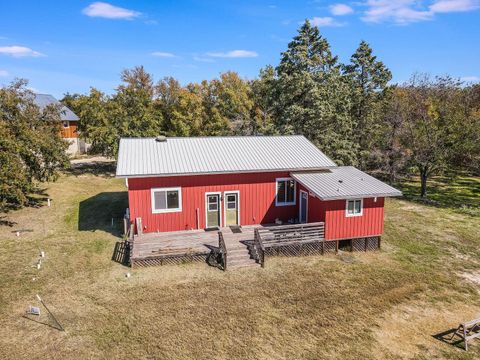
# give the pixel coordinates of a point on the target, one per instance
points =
(397, 11)
(4, 73)
(408, 11)
(19, 51)
(444, 6)
(162, 54)
(105, 10)
(234, 54)
(470, 79)
(326, 21)
(340, 9)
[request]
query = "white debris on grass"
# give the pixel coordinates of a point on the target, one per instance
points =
(473, 277)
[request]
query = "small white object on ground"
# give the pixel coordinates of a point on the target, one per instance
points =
(48, 202)
(42, 254)
(18, 233)
(127, 275)
(33, 310)
(39, 264)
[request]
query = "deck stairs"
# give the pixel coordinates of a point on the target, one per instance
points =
(238, 255)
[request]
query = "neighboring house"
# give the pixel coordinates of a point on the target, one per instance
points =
(69, 126)
(195, 183)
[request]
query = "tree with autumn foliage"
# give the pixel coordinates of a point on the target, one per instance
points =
(31, 149)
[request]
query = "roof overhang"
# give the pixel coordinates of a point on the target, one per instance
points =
(289, 170)
(342, 183)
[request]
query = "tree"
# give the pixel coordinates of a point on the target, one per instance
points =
(130, 112)
(263, 97)
(133, 112)
(388, 152)
(432, 117)
(234, 102)
(31, 149)
(180, 107)
(369, 80)
(313, 96)
(467, 150)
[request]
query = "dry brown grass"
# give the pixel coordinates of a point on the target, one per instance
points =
(384, 305)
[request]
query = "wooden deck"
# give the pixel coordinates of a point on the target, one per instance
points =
(156, 248)
(251, 243)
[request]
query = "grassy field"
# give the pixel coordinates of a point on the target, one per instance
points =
(391, 304)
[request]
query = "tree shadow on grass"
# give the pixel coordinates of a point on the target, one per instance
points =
(97, 212)
(461, 194)
(103, 169)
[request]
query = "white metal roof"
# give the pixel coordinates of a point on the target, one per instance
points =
(344, 182)
(139, 157)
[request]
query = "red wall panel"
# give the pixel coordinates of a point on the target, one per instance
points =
(339, 226)
(257, 199)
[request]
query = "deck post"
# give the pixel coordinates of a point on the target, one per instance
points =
(139, 226)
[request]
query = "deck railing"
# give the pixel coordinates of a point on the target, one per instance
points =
(223, 250)
(295, 238)
(259, 248)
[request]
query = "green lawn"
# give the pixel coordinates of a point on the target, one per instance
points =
(459, 193)
(385, 305)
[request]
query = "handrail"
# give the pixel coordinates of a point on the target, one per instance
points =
(223, 249)
(259, 248)
(309, 232)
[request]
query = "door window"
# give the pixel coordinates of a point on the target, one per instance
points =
(213, 203)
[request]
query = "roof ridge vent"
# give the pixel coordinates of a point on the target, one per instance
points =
(161, 138)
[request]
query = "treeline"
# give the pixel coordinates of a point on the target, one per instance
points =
(425, 126)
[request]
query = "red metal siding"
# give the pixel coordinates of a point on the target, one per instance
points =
(257, 199)
(339, 226)
(316, 209)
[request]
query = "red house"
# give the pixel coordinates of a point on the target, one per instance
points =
(213, 182)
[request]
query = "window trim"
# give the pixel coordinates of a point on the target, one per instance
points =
(354, 215)
(161, 211)
(294, 202)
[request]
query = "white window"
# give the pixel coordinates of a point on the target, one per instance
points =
(213, 202)
(166, 200)
(231, 202)
(66, 124)
(286, 192)
(354, 207)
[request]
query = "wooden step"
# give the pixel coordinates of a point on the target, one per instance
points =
(234, 257)
(243, 265)
(240, 262)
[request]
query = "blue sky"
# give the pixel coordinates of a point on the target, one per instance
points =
(69, 46)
